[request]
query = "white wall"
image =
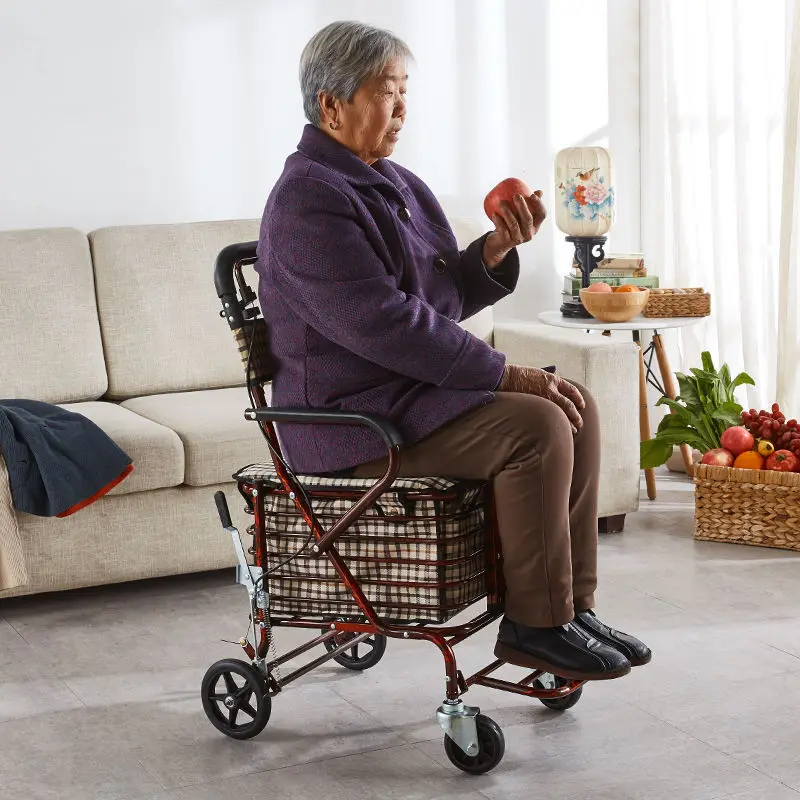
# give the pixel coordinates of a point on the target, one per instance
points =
(146, 111)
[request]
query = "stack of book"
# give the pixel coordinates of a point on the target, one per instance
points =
(615, 270)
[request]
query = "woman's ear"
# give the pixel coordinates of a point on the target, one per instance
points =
(329, 108)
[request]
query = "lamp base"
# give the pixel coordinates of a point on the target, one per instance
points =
(588, 252)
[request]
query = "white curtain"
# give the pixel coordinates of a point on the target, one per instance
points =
(789, 256)
(721, 178)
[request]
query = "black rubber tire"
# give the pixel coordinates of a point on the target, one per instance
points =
(562, 703)
(492, 745)
(351, 659)
(243, 684)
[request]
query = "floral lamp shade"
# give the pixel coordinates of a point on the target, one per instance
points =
(584, 191)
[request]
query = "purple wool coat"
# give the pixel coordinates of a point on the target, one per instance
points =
(362, 286)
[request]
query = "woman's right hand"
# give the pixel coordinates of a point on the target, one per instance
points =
(539, 382)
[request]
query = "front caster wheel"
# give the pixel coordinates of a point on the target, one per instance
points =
(559, 703)
(235, 698)
(360, 656)
(492, 746)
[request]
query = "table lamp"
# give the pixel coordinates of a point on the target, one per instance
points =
(585, 206)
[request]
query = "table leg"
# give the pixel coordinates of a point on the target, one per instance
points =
(671, 392)
(644, 417)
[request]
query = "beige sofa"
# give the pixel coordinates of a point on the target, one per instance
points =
(123, 327)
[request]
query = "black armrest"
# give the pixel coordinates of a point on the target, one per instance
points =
(385, 429)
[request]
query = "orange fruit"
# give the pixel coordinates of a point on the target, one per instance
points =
(749, 460)
(627, 287)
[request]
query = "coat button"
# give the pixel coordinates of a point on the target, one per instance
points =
(440, 265)
(404, 214)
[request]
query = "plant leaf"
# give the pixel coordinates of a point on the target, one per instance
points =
(654, 452)
(741, 379)
(725, 376)
(683, 435)
(728, 413)
(689, 393)
(673, 422)
(708, 378)
(680, 411)
(708, 364)
(672, 426)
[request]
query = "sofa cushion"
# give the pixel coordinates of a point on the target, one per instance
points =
(216, 437)
(156, 451)
(50, 347)
(159, 312)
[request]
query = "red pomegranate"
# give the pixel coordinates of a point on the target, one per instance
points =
(737, 440)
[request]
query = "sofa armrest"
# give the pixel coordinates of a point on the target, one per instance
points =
(12, 561)
(609, 368)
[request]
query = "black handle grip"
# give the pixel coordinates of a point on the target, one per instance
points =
(222, 509)
(224, 269)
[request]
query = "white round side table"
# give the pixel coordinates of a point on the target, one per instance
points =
(646, 373)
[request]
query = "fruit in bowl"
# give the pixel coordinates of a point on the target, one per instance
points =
(626, 287)
(611, 306)
(600, 288)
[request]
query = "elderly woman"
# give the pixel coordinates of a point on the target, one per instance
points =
(363, 286)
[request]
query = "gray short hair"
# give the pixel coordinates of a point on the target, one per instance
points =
(340, 57)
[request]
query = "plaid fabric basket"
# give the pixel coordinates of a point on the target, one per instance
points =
(418, 554)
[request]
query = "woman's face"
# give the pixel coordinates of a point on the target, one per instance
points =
(370, 123)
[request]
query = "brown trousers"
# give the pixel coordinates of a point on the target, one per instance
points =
(545, 486)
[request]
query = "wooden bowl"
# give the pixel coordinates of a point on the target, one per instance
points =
(614, 306)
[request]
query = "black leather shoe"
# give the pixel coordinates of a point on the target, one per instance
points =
(638, 653)
(566, 651)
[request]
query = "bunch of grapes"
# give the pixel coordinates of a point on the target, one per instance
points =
(773, 425)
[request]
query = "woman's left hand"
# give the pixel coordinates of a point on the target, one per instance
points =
(515, 222)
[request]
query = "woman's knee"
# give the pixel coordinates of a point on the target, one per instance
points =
(539, 425)
(589, 434)
(589, 413)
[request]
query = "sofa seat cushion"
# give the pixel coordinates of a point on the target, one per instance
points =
(217, 439)
(156, 451)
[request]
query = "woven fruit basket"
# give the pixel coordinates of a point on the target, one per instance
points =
(674, 303)
(747, 506)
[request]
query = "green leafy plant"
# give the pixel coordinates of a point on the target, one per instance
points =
(705, 407)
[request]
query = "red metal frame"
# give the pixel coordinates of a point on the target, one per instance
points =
(444, 637)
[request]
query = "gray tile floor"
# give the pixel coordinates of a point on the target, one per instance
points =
(99, 693)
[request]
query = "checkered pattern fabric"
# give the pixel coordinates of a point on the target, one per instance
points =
(252, 342)
(417, 554)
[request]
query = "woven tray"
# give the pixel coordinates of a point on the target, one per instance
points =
(666, 303)
(747, 506)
